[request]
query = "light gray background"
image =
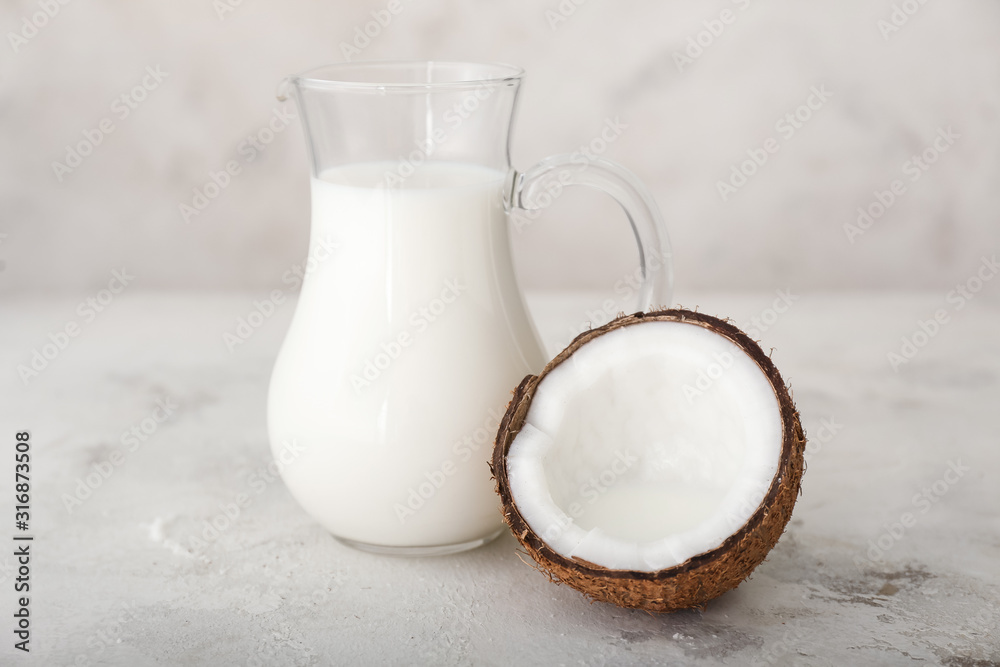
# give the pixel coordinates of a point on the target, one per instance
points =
(609, 59)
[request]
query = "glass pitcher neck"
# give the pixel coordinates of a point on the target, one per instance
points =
(412, 113)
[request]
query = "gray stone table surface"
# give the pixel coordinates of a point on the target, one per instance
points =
(117, 578)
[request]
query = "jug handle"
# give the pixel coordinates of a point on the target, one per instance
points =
(529, 190)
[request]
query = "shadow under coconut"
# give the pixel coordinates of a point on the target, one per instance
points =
(698, 634)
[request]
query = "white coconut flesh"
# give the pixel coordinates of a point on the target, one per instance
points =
(649, 445)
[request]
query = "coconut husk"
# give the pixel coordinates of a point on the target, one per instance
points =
(705, 576)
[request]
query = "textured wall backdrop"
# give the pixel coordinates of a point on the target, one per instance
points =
(895, 75)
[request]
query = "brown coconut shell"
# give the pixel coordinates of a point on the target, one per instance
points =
(703, 577)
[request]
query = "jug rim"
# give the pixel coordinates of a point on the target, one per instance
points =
(390, 75)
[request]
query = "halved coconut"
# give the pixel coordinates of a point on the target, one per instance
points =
(653, 463)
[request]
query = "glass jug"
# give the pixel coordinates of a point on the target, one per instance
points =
(408, 340)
